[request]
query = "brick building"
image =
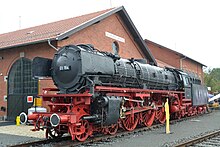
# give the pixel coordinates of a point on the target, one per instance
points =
(18, 48)
(170, 58)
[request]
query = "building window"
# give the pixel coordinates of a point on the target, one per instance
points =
(115, 47)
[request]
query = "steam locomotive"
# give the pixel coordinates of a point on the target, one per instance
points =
(101, 92)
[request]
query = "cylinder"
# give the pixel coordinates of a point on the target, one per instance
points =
(55, 119)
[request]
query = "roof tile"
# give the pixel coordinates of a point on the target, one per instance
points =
(44, 32)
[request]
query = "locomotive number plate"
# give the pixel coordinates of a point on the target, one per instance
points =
(65, 68)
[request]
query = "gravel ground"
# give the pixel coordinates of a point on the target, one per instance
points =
(157, 138)
(21, 130)
(11, 134)
(7, 140)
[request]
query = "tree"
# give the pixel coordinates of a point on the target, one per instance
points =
(212, 79)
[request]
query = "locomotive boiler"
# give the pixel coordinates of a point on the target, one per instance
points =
(101, 92)
(76, 68)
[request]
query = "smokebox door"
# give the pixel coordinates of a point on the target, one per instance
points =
(41, 67)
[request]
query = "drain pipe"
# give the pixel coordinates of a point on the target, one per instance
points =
(181, 62)
(49, 43)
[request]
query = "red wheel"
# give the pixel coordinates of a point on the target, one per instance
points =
(130, 121)
(161, 115)
(83, 130)
(178, 115)
(195, 112)
(190, 111)
(113, 129)
(199, 110)
(204, 109)
(183, 113)
(148, 117)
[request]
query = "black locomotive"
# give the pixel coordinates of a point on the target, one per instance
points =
(101, 92)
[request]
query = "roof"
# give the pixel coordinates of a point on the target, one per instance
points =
(180, 54)
(44, 32)
(64, 28)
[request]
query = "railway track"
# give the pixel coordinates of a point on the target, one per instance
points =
(66, 141)
(209, 140)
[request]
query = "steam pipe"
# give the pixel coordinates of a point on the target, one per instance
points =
(90, 117)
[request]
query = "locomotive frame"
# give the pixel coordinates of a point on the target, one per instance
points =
(71, 113)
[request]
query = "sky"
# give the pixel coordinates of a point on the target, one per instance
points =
(191, 27)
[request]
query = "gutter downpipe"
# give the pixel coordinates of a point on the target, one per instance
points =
(49, 43)
(181, 62)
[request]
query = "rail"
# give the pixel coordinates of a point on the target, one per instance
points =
(198, 139)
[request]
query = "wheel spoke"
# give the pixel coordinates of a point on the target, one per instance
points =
(148, 117)
(84, 129)
(130, 122)
(113, 129)
(161, 116)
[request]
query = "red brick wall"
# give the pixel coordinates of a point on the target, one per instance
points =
(95, 35)
(172, 58)
(194, 67)
(164, 55)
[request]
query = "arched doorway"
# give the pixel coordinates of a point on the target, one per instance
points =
(20, 85)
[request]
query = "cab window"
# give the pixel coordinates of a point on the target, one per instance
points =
(186, 80)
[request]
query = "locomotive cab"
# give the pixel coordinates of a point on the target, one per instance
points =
(193, 88)
(187, 85)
